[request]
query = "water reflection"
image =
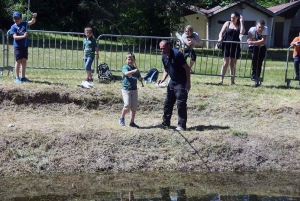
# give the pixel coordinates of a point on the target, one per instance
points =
(153, 187)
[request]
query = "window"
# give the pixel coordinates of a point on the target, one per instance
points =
(248, 25)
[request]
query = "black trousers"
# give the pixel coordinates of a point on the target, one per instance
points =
(176, 93)
(258, 56)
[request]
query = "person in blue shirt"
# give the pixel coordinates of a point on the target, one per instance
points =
(175, 65)
(130, 75)
(19, 32)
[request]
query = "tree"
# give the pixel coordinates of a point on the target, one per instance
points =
(136, 17)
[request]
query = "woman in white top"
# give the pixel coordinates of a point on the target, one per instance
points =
(257, 37)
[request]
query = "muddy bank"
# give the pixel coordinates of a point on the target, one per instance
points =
(58, 131)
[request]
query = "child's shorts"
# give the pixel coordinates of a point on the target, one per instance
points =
(88, 61)
(130, 98)
(21, 53)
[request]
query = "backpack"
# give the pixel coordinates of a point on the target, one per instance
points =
(104, 74)
(152, 75)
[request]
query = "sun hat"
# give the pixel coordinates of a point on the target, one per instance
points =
(17, 14)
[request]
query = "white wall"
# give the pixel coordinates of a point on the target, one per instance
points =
(198, 22)
(248, 13)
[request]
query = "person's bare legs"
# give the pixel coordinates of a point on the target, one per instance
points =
(224, 69)
(17, 68)
(124, 113)
(132, 115)
(24, 62)
(89, 75)
(191, 65)
(232, 69)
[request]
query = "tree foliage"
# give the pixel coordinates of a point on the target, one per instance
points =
(134, 17)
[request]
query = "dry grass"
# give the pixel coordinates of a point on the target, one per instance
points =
(56, 126)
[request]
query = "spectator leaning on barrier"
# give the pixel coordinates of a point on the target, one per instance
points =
(257, 37)
(175, 65)
(296, 54)
(231, 31)
(20, 35)
(190, 39)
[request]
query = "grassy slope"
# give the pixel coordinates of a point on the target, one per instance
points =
(52, 125)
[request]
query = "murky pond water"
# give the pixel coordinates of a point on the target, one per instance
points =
(153, 186)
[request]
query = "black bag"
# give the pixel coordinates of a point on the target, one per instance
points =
(220, 44)
(104, 74)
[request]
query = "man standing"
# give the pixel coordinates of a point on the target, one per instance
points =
(175, 65)
(257, 37)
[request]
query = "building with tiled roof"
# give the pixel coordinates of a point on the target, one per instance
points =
(282, 20)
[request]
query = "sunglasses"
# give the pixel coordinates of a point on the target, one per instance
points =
(16, 18)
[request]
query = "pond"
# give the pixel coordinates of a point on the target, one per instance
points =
(169, 186)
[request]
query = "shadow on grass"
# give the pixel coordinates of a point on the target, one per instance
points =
(252, 86)
(193, 128)
(210, 127)
(48, 83)
(157, 126)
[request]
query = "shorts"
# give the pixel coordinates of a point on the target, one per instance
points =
(88, 61)
(190, 53)
(130, 98)
(21, 53)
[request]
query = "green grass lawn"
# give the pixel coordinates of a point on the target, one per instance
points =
(57, 56)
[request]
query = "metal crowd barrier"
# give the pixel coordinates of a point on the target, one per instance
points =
(145, 48)
(3, 52)
(289, 73)
(52, 50)
(210, 60)
(64, 51)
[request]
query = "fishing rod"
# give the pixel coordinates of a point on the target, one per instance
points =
(28, 7)
(123, 40)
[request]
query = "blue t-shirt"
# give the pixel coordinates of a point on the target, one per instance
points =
(20, 31)
(129, 82)
(174, 66)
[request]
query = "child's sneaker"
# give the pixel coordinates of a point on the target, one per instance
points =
(17, 80)
(122, 121)
(132, 124)
(24, 79)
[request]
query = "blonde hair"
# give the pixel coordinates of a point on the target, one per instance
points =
(130, 56)
(88, 29)
(190, 28)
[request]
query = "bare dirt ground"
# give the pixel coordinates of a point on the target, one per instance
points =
(55, 129)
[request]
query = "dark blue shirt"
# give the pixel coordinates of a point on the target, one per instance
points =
(20, 31)
(174, 66)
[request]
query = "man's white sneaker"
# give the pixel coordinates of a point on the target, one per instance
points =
(179, 128)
